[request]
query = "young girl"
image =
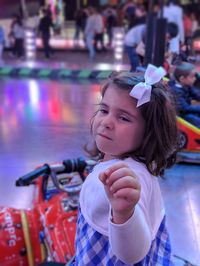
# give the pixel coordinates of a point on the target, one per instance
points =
(121, 217)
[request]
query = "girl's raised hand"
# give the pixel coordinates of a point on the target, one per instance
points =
(123, 190)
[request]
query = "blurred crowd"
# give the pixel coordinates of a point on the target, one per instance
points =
(95, 27)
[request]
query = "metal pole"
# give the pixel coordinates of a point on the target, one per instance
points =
(159, 48)
(161, 8)
(149, 42)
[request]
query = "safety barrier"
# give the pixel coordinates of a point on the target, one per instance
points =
(27, 72)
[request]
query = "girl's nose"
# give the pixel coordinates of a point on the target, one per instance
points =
(108, 121)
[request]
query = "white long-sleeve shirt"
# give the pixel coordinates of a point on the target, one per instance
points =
(135, 35)
(94, 25)
(130, 241)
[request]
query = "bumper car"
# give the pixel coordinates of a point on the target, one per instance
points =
(189, 142)
(46, 231)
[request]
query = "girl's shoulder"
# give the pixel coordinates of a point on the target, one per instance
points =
(146, 178)
(138, 168)
(132, 163)
(137, 165)
(101, 165)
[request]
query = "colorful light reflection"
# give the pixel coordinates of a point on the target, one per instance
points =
(34, 92)
(30, 101)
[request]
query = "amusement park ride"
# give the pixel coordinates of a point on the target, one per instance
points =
(189, 142)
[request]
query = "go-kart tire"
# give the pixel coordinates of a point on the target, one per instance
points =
(183, 140)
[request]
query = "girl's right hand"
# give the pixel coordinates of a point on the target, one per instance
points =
(123, 190)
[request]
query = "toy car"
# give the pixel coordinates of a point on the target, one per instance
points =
(189, 142)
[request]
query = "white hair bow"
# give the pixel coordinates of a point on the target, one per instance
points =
(142, 91)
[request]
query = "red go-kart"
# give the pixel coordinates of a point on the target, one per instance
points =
(45, 232)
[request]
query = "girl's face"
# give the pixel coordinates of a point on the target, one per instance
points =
(118, 126)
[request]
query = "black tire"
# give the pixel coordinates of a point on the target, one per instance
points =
(183, 140)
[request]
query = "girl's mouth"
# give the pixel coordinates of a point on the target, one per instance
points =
(104, 136)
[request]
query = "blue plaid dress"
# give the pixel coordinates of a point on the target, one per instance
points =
(93, 248)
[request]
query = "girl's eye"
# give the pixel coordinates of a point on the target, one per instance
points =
(103, 111)
(123, 118)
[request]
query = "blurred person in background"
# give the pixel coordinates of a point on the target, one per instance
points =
(90, 31)
(173, 12)
(99, 33)
(140, 16)
(129, 12)
(44, 29)
(17, 36)
(134, 37)
(80, 23)
(185, 93)
(110, 15)
(135, 44)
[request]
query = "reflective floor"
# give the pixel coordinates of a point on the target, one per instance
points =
(48, 121)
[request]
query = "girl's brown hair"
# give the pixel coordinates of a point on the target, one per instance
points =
(158, 150)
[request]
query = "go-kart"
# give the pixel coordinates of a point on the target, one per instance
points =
(46, 232)
(189, 142)
(189, 139)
